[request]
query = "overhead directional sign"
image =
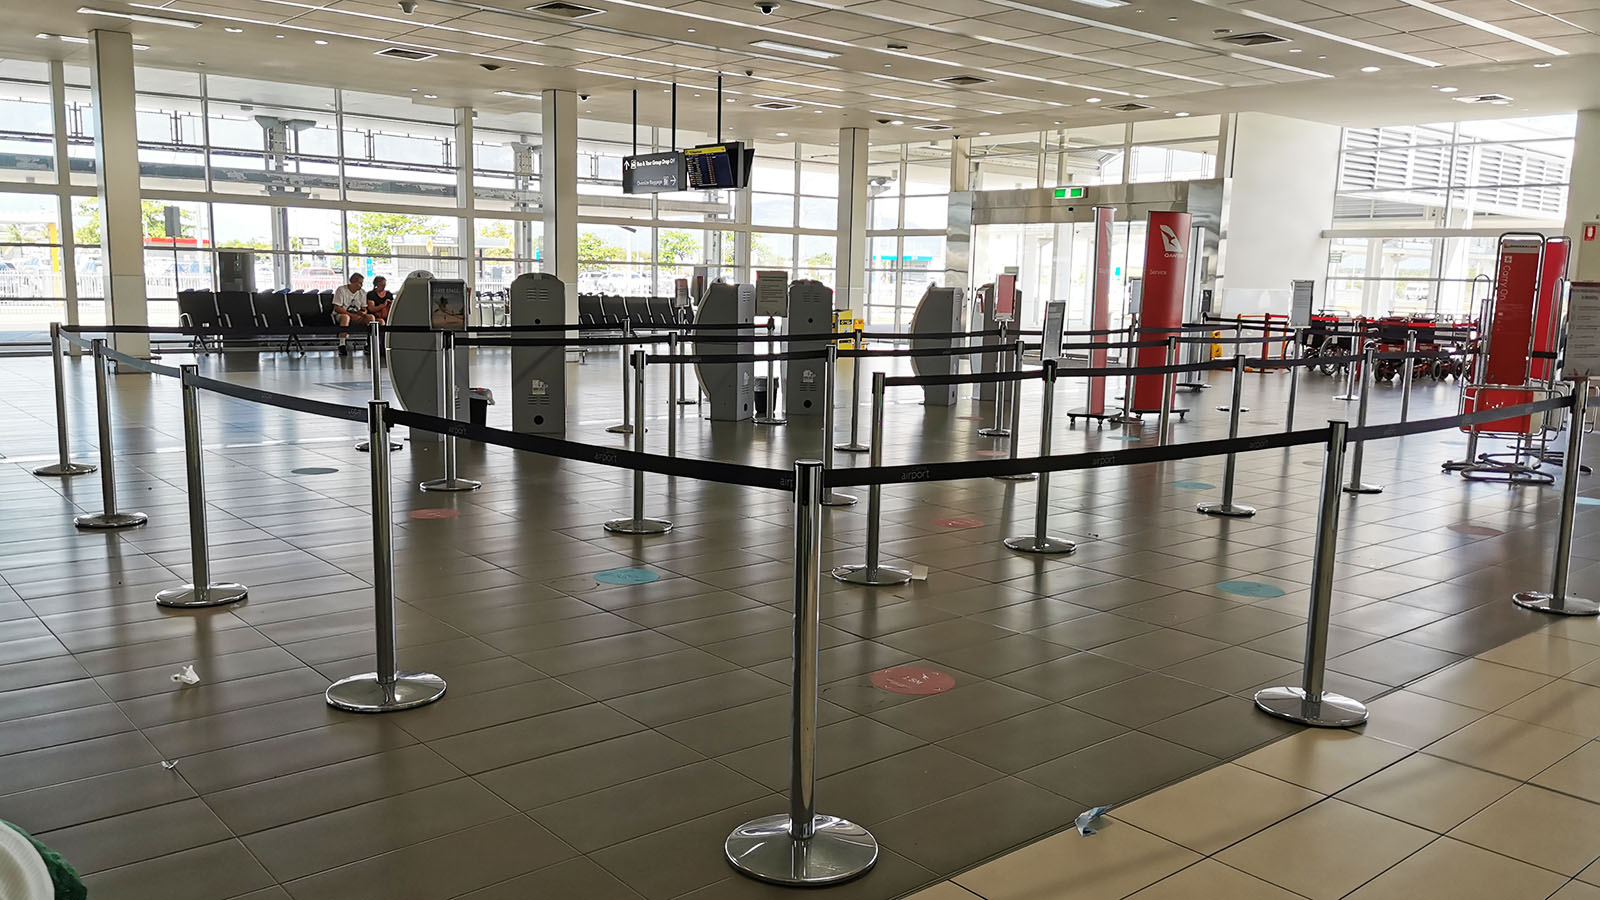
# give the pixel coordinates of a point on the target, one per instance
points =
(653, 173)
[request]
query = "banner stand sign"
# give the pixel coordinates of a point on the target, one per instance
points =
(1507, 355)
(1100, 316)
(1166, 270)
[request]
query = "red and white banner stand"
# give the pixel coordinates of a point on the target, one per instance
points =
(1166, 271)
(1105, 218)
(1501, 377)
(1552, 306)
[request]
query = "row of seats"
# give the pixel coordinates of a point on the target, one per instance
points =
(609, 309)
(262, 309)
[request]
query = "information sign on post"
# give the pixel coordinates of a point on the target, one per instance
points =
(772, 293)
(1301, 301)
(1583, 330)
(1055, 322)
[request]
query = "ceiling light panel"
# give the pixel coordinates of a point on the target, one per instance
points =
(1483, 26)
(149, 18)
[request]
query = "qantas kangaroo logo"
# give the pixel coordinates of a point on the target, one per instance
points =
(1169, 240)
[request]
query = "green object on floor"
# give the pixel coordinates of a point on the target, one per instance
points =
(65, 878)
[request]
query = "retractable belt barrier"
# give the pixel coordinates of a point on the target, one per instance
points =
(282, 401)
(968, 350)
(707, 358)
(142, 365)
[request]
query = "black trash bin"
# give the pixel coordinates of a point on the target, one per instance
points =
(478, 402)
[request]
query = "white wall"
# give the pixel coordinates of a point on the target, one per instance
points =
(1583, 199)
(1280, 202)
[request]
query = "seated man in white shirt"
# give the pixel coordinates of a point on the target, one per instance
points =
(350, 307)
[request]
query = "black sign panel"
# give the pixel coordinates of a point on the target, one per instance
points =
(719, 166)
(652, 173)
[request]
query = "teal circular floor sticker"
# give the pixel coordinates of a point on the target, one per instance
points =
(315, 470)
(1589, 501)
(1250, 589)
(1194, 485)
(626, 576)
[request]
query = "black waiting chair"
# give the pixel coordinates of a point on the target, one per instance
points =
(272, 310)
(589, 309)
(198, 309)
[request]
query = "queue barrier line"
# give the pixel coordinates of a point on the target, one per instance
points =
(282, 401)
(142, 365)
(713, 358)
(968, 378)
(917, 352)
(634, 338)
(705, 470)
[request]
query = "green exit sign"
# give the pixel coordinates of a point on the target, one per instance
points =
(1075, 193)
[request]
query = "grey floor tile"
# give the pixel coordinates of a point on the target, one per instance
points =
(260, 760)
(1069, 676)
(1032, 738)
(229, 871)
(1116, 770)
(967, 706)
(615, 814)
(841, 746)
(898, 784)
(525, 739)
(1139, 701)
(572, 773)
(675, 861)
(577, 877)
(960, 831)
(136, 836)
(1222, 728)
(97, 797)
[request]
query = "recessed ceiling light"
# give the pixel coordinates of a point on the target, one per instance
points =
(139, 17)
(697, 95)
(279, 36)
(983, 134)
(817, 112)
(231, 30)
(430, 96)
(1172, 18)
(1371, 69)
(1092, 100)
(521, 95)
(796, 49)
(1103, 4)
(76, 39)
(1322, 57)
(1542, 65)
(783, 134)
(414, 90)
(897, 121)
(320, 43)
(1448, 90)
(1296, 50)
(691, 31)
(1182, 115)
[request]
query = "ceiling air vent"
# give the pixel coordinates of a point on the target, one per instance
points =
(404, 53)
(962, 80)
(1491, 99)
(936, 126)
(1253, 39)
(777, 104)
(1128, 107)
(566, 10)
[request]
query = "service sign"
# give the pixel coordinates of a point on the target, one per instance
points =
(652, 173)
(1583, 330)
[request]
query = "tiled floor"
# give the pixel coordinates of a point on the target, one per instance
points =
(599, 741)
(1493, 794)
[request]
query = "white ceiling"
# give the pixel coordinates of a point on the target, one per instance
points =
(1045, 59)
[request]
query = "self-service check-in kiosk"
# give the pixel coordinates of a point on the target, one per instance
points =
(413, 356)
(538, 374)
(983, 319)
(730, 387)
(810, 312)
(939, 312)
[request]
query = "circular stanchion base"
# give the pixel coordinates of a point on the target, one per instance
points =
(838, 850)
(852, 447)
(1022, 476)
(1233, 510)
(366, 694)
(1562, 606)
(768, 420)
(1347, 398)
(871, 576)
(1330, 711)
(217, 593)
(1047, 544)
(1242, 409)
(450, 485)
(365, 446)
(108, 521)
(65, 470)
(685, 401)
(834, 498)
(638, 526)
(995, 432)
(1363, 488)
(1125, 420)
(620, 429)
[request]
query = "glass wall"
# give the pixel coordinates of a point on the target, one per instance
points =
(908, 190)
(1429, 201)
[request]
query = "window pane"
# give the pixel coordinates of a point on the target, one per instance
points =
(775, 175)
(817, 258)
(885, 213)
(819, 212)
(772, 251)
(927, 212)
(30, 254)
(819, 179)
(171, 143)
(772, 209)
(27, 139)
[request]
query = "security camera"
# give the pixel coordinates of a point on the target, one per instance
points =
(882, 121)
(583, 96)
(748, 73)
(767, 7)
(408, 6)
(489, 67)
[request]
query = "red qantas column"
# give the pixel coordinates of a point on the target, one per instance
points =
(1166, 269)
(1516, 290)
(1547, 318)
(1100, 298)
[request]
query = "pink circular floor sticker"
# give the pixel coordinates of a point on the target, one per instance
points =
(917, 681)
(435, 513)
(958, 522)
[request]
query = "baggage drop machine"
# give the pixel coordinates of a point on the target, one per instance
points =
(538, 374)
(939, 312)
(414, 356)
(984, 319)
(729, 387)
(810, 312)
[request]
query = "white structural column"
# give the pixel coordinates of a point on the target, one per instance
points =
(1583, 199)
(852, 237)
(116, 151)
(958, 221)
(1282, 173)
(467, 230)
(558, 186)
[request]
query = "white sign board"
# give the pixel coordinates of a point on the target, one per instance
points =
(1583, 330)
(1055, 322)
(1300, 302)
(772, 293)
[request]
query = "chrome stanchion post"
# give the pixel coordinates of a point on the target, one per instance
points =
(447, 410)
(872, 574)
(1231, 467)
(1016, 424)
(1168, 388)
(624, 427)
(1041, 541)
(855, 445)
(771, 417)
(998, 429)
(672, 392)
(1406, 375)
(1129, 360)
(683, 387)
(638, 524)
(1356, 485)
(1294, 377)
(1352, 375)
(1309, 704)
(387, 689)
(1557, 601)
(108, 518)
(802, 847)
(375, 358)
(201, 591)
(830, 497)
(63, 466)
